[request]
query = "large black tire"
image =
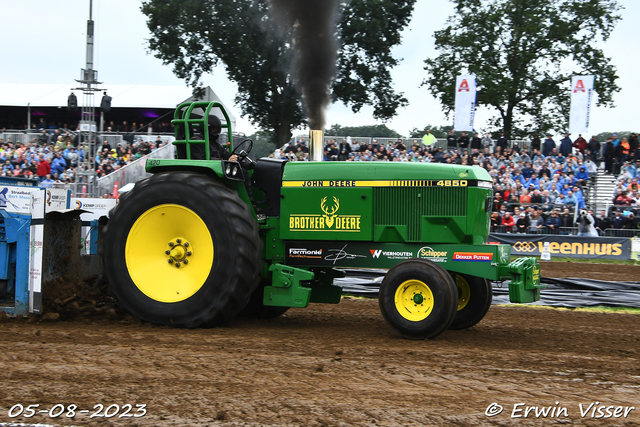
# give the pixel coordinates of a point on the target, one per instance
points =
(224, 252)
(256, 309)
(474, 299)
(418, 298)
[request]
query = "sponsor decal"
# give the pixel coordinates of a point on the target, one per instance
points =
(377, 253)
(340, 254)
(305, 253)
(330, 221)
(427, 252)
(472, 256)
(386, 183)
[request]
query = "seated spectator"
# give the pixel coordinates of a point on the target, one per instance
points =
(571, 199)
(622, 199)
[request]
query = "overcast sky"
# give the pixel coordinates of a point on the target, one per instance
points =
(44, 42)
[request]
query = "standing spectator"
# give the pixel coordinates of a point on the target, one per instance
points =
(553, 223)
(566, 219)
(451, 140)
(548, 146)
(580, 144)
(618, 222)
(463, 142)
(631, 223)
(502, 143)
(594, 147)
(603, 223)
(633, 144)
(565, 145)
(476, 142)
(487, 143)
(428, 139)
(345, 150)
(537, 222)
(608, 153)
(522, 225)
(535, 143)
(44, 168)
(586, 224)
(508, 222)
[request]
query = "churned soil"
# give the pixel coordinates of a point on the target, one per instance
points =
(330, 365)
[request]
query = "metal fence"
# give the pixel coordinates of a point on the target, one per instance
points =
(132, 172)
(565, 231)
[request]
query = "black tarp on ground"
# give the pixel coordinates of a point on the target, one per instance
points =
(568, 292)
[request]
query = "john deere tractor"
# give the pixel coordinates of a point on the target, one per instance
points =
(202, 241)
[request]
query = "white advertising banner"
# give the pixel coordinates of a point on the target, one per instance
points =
(581, 99)
(465, 103)
(95, 208)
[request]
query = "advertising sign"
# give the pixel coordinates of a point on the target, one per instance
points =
(565, 246)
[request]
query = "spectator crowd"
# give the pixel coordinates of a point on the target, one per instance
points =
(56, 155)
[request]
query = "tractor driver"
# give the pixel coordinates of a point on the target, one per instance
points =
(216, 150)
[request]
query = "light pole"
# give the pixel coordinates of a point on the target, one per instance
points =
(85, 170)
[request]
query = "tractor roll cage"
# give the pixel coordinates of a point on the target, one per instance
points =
(183, 121)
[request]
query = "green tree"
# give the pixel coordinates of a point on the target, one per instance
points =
(524, 53)
(196, 35)
(380, 131)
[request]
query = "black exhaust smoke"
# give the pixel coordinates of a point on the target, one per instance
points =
(313, 25)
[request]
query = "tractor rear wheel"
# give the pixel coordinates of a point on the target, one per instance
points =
(474, 299)
(182, 250)
(256, 309)
(418, 298)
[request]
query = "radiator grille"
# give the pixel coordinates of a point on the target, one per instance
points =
(406, 205)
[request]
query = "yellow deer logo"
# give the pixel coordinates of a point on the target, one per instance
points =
(329, 214)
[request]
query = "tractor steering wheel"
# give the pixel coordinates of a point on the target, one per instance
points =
(242, 154)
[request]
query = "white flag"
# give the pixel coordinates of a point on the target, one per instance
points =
(581, 96)
(465, 103)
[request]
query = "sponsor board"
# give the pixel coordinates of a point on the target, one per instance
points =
(565, 246)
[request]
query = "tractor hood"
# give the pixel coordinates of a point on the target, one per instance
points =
(367, 171)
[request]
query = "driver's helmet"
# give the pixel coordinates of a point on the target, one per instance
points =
(215, 126)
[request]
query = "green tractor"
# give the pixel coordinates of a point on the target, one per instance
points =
(202, 241)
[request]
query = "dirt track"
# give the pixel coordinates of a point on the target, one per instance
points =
(329, 366)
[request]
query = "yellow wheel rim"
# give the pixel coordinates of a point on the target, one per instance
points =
(414, 300)
(169, 253)
(464, 291)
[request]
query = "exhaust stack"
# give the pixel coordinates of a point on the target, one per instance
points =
(316, 146)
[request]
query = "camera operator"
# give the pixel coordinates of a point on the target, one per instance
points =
(586, 224)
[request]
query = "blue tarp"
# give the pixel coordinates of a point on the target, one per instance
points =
(567, 292)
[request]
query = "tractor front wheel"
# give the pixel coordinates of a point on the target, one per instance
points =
(474, 299)
(418, 298)
(182, 250)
